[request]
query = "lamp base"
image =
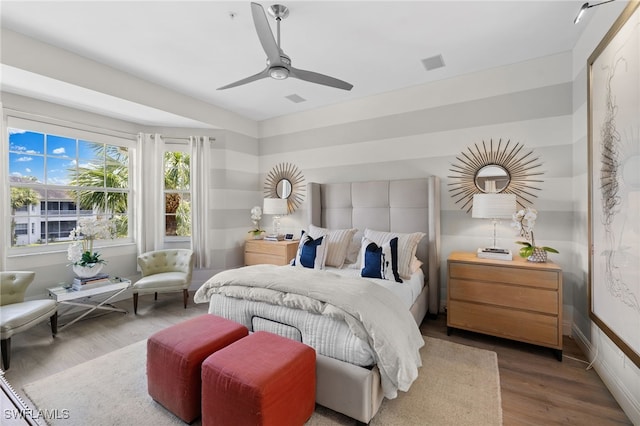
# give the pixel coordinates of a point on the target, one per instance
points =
(494, 253)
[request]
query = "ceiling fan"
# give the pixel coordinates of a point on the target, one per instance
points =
(278, 63)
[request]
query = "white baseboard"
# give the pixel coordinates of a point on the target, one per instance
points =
(628, 402)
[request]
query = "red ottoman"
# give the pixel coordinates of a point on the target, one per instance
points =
(174, 358)
(263, 379)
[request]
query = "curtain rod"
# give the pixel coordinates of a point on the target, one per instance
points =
(187, 139)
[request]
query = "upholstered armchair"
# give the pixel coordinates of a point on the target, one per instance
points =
(164, 271)
(16, 315)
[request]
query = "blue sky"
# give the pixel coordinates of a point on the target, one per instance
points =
(48, 158)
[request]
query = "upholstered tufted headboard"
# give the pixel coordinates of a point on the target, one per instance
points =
(406, 206)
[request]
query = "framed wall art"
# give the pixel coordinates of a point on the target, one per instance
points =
(614, 182)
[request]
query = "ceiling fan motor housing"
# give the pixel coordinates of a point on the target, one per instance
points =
(278, 11)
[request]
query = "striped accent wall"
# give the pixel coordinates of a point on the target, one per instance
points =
(529, 102)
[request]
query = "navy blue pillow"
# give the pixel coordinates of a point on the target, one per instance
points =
(311, 253)
(380, 260)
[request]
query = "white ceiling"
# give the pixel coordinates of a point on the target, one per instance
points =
(196, 47)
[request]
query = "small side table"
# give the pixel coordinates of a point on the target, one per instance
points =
(271, 252)
(72, 297)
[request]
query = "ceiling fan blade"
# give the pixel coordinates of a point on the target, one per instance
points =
(315, 77)
(264, 34)
(262, 74)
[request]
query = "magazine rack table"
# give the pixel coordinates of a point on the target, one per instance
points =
(81, 298)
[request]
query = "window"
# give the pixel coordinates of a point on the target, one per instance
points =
(62, 179)
(21, 229)
(177, 194)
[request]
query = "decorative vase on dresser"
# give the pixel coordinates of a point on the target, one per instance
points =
(515, 299)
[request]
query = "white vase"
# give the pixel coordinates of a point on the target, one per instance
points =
(87, 271)
(539, 255)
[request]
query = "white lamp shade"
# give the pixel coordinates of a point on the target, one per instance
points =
(275, 206)
(493, 206)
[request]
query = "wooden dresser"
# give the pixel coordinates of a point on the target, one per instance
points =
(272, 252)
(516, 299)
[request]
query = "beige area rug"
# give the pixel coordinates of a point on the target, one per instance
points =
(457, 385)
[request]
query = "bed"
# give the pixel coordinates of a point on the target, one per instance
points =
(352, 377)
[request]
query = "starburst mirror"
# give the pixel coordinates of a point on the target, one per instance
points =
(504, 168)
(285, 181)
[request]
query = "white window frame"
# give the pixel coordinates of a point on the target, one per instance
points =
(59, 128)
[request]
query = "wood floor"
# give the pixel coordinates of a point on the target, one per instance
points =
(536, 388)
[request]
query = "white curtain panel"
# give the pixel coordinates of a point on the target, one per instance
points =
(200, 245)
(149, 200)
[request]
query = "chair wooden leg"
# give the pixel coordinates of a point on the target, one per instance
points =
(135, 303)
(54, 324)
(5, 346)
(156, 296)
(185, 296)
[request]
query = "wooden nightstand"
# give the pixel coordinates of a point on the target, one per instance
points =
(516, 299)
(272, 252)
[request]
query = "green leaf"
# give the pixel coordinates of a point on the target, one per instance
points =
(550, 250)
(526, 251)
(524, 243)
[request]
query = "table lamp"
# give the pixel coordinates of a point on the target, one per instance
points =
(495, 207)
(276, 207)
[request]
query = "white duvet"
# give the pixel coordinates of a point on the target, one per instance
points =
(372, 312)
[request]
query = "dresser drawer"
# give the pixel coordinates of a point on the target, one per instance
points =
(504, 274)
(530, 327)
(510, 296)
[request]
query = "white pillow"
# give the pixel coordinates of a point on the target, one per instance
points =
(312, 252)
(407, 246)
(338, 241)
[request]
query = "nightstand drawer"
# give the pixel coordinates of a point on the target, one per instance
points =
(261, 258)
(519, 276)
(511, 296)
(525, 326)
(266, 247)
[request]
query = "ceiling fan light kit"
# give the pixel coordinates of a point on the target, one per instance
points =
(278, 73)
(278, 63)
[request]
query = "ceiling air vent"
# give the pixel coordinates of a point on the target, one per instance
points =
(295, 98)
(433, 62)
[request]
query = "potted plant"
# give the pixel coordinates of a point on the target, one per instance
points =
(86, 262)
(256, 215)
(524, 220)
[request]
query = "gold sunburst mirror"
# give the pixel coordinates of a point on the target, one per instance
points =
(285, 181)
(507, 168)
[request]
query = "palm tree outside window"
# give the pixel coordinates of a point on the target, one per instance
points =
(177, 194)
